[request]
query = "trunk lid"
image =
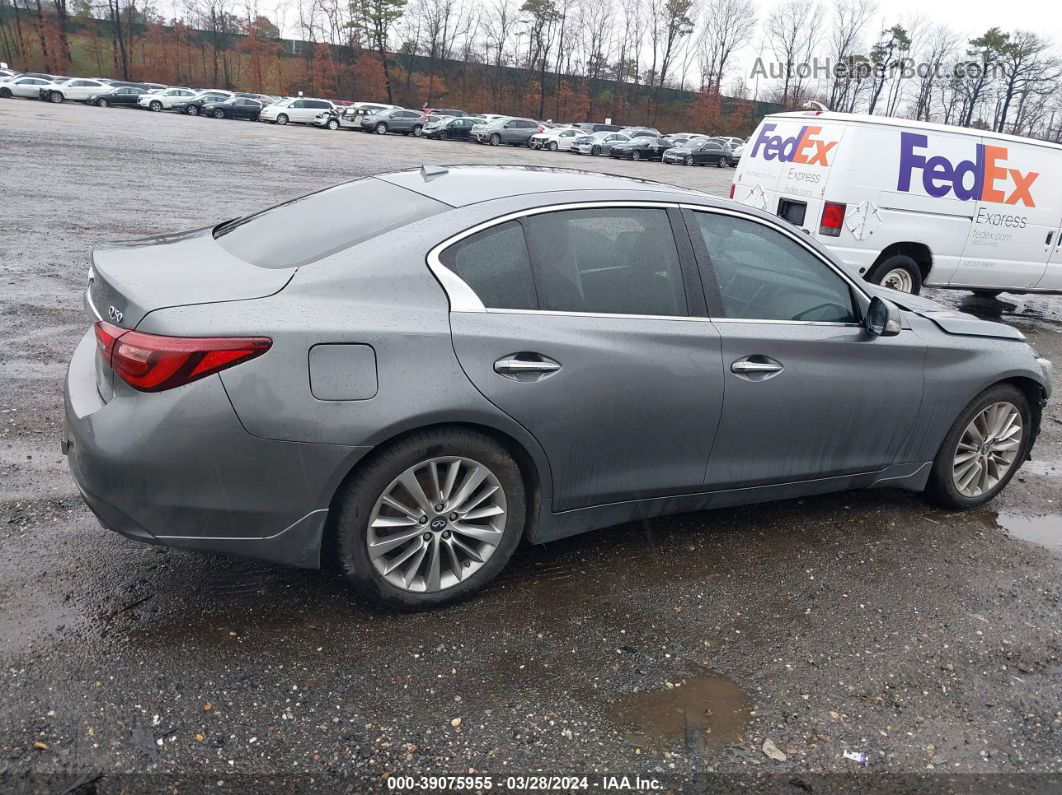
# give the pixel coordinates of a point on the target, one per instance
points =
(131, 278)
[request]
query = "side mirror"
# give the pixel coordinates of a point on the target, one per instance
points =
(882, 318)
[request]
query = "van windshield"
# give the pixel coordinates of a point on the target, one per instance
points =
(313, 227)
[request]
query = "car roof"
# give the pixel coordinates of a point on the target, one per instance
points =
(459, 186)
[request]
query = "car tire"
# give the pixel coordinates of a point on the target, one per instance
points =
(219, 113)
(688, 160)
(898, 272)
(282, 119)
(101, 103)
(720, 162)
(417, 130)
(193, 110)
(362, 498)
(945, 483)
(381, 129)
(636, 155)
(155, 106)
(442, 135)
(495, 139)
(56, 97)
(333, 124)
(6, 93)
(595, 150)
(553, 146)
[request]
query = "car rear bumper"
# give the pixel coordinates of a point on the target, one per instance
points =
(177, 468)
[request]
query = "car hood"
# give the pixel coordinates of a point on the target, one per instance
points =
(946, 319)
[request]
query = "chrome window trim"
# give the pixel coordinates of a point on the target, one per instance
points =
(792, 236)
(624, 316)
(464, 299)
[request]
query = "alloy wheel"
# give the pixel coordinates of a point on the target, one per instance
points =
(436, 524)
(193, 110)
(987, 449)
(898, 279)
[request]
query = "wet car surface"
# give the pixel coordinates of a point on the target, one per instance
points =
(867, 622)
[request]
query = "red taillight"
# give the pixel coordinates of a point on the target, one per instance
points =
(732, 186)
(832, 219)
(152, 363)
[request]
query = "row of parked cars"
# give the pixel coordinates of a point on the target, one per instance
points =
(584, 138)
(587, 138)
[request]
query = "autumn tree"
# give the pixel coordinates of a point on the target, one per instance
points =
(375, 18)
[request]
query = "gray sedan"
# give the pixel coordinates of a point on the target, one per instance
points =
(406, 375)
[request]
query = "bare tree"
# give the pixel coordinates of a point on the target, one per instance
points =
(850, 18)
(792, 31)
(726, 27)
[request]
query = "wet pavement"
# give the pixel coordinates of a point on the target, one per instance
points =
(868, 622)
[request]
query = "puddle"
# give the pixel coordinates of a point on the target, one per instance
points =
(1043, 530)
(703, 713)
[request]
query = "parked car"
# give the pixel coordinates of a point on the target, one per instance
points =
(234, 108)
(593, 127)
(432, 118)
(194, 105)
(599, 143)
(736, 153)
(909, 203)
(394, 120)
(22, 87)
(458, 129)
(123, 95)
(74, 88)
(732, 141)
(557, 139)
(643, 147)
(550, 309)
(164, 99)
(505, 130)
(300, 110)
(699, 152)
(443, 112)
(634, 132)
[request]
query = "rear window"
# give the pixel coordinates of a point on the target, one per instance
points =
(313, 227)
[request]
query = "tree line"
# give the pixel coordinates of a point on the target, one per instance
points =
(713, 65)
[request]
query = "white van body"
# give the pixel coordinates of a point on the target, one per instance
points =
(964, 208)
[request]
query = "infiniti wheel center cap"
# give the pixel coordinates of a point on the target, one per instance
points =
(438, 523)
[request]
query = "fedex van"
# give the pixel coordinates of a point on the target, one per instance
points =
(910, 203)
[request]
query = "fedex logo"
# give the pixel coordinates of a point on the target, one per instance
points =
(804, 147)
(986, 177)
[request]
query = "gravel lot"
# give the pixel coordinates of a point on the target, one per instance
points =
(672, 649)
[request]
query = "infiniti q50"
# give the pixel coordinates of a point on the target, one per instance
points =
(407, 375)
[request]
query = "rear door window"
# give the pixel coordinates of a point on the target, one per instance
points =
(312, 227)
(613, 260)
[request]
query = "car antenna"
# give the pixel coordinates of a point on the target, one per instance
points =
(428, 173)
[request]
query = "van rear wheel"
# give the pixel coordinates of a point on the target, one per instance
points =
(898, 272)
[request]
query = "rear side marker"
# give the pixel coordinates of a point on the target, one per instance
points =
(153, 363)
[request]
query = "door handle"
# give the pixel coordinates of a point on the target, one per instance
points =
(526, 366)
(756, 367)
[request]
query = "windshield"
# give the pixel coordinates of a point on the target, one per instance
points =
(313, 227)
